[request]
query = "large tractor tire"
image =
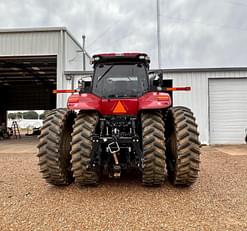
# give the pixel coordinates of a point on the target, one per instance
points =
(153, 142)
(182, 146)
(54, 147)
(82, 145)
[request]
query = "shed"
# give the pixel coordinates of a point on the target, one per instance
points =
(32, 64)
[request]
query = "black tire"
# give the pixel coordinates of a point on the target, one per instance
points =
(54, 147)
(182, 146)
(84, 127)
(153, 141)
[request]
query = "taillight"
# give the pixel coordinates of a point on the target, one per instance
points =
(74, 99)
(163, 97)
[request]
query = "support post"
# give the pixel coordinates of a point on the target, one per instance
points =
(158, 33)
(84, 54)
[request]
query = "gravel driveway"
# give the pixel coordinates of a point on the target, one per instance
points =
(218, 201)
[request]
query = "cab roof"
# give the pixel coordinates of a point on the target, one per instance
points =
(121, 58)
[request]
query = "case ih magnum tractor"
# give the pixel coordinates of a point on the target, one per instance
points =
(122, 120)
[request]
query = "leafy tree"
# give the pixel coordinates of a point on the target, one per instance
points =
(30, 115)
(11, 115)
(19, 115)
(43, 115)
(14, 115)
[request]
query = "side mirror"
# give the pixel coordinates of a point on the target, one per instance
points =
(81, 85)
(84, 85)
(158, 80)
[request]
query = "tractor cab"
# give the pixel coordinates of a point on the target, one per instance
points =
(120, 75)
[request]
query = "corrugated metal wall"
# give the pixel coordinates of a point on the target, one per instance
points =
(29, 43)
(198, 98)
(72, 60)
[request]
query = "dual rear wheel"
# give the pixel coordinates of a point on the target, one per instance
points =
(65, 147)
(54, 147)
(182, 146)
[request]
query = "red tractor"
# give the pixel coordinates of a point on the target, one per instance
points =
(121, 120)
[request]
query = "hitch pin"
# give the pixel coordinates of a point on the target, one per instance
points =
(115, 158)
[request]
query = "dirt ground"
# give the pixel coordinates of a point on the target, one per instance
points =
(218, 201)
(25, 145)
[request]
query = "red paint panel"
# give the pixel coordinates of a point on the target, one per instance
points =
(154, 100)
(85, 101)
(131, 106)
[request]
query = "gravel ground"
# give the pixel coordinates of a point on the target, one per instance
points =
(218, 201)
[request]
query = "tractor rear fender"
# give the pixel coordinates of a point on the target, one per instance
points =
(84, 101)
(154, 100)
(149, 101)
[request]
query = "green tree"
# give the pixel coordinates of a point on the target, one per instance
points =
(43, 115)
(12, 115)
(30, 115)
(19, 115)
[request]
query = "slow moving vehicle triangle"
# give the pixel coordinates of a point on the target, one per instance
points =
(119, 108)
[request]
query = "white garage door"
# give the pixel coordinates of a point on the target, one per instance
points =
(228, 110)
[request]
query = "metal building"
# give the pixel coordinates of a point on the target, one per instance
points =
(32, 64)
(219, 100)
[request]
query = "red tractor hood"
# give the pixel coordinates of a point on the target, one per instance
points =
(121, 106)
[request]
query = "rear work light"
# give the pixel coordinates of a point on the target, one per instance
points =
(97, 57)
(146, 57)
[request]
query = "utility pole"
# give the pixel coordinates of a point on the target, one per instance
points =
(84, 52)
(158, 33)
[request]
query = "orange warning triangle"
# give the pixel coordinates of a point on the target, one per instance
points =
(119, 108)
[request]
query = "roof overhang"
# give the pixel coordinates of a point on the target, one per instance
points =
(40, 70)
